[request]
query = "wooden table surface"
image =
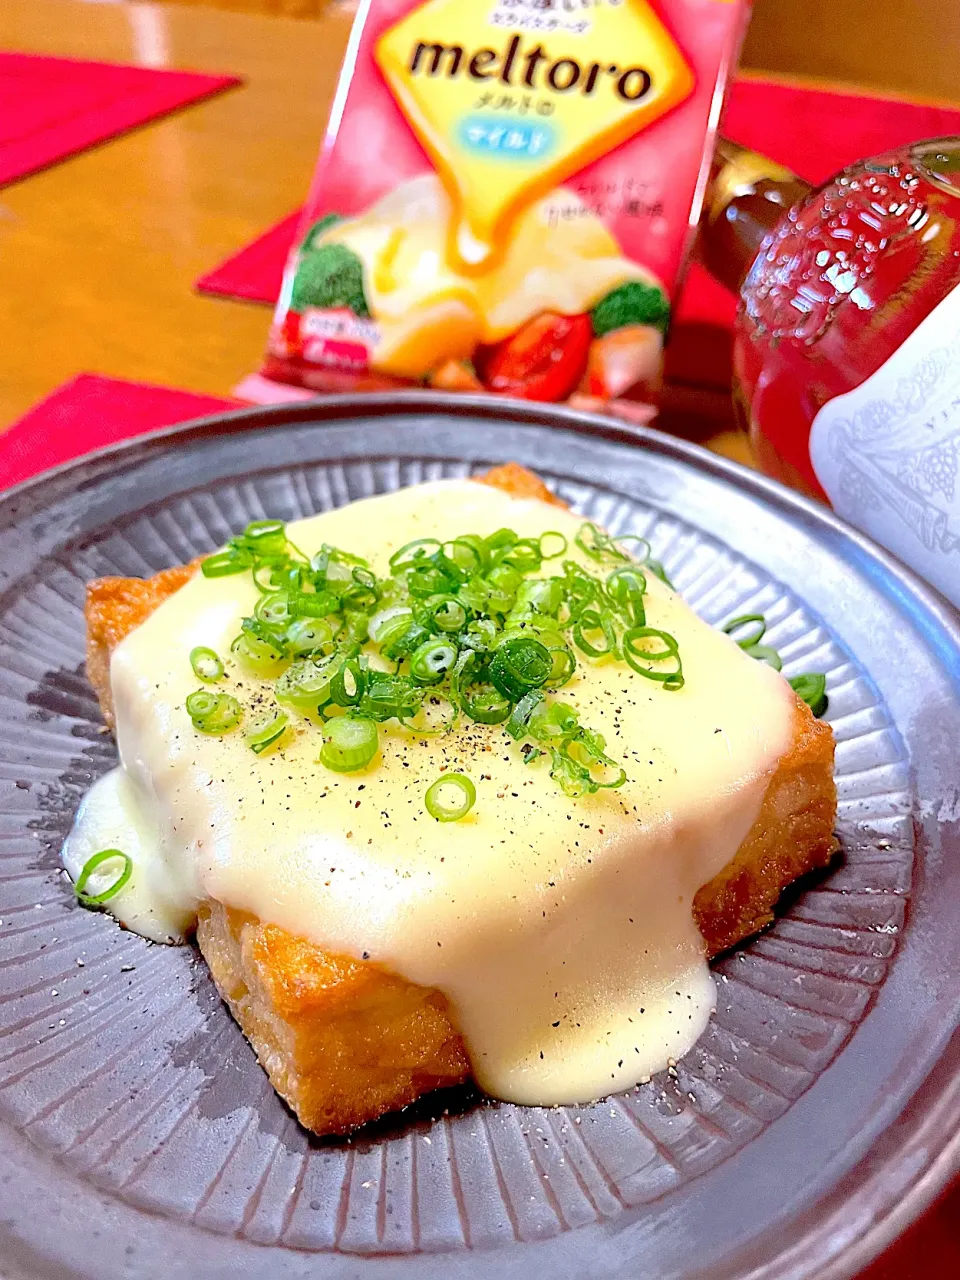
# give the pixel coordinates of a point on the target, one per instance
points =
(98, 255)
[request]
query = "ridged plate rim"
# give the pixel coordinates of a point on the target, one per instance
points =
(934, 1133)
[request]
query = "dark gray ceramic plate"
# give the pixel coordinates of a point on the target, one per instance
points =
(817, 1116)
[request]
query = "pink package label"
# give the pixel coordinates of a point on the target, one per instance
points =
(505, 196)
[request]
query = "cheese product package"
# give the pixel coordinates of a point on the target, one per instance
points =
(505, 197)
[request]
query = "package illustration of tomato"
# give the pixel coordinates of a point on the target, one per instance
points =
(505, 196)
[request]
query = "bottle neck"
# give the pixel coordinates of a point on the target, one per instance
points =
(747, 197)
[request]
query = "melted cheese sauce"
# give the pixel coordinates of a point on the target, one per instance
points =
(560, 930)
(559, 257)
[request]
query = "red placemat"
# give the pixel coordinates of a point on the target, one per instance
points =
(812, 131)
(88, 412)
(51, 108)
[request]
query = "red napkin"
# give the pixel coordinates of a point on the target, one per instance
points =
(812, 131)
(254, 274)
(88, 412)
(51, 108)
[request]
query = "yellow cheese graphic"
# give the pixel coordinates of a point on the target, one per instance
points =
(506, 113)
(560, 258)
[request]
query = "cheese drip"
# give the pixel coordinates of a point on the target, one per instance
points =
(560, 258)
(560, 930)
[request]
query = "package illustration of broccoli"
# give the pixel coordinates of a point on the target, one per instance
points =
(507, 200)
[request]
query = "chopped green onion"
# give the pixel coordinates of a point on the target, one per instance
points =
(591, 621)
(572, 778)
(389, 697)
(765, 653)
(275, 610)
(262, 531)
(586, 750)
(316, 604)
(90, 867)
(350, 743)
(524, 555)
(403, 640)
(447, 613)
(658, 571)
(758, 629)
(520, 665)
(598, 545)
(412, 552)
(558, 551)
(812, 688)
(224, 563)
(213, 713)
(540, 595)
(502, 538)
(481, 634)
(474, 594)
(642, 551)
(468, 625)
(626, 587)
(431, 662)
(309, 635)
(258, 654)
(266, 730)
(306, 684)
(347, 687)
(206, 665)
(517, 725)
(640, 656)
(485, 704)
(389, 622)
(553, 720)
(451, 797)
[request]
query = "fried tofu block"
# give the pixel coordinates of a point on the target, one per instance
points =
(344, 1041)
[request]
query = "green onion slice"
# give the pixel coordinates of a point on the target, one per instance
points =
(551, 721)
(765, 653)
(225, 563)
(267, 730)
(447, 613)
(348, 683)
(306, 684)
(596, 544)
(587, 750)
(206, 665)
(412, 553)
(481, 634)
(517, 725)
(431, 662)
(310, 636)
(626, 588)
(389, 697)
(91, 865)
(451, 797)
(519, 665)
(812, 688)
(259, 655)
(276, 610)
(756, 623)
(644, 648)
(350, 743)
(213, 713)
(552, 550)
